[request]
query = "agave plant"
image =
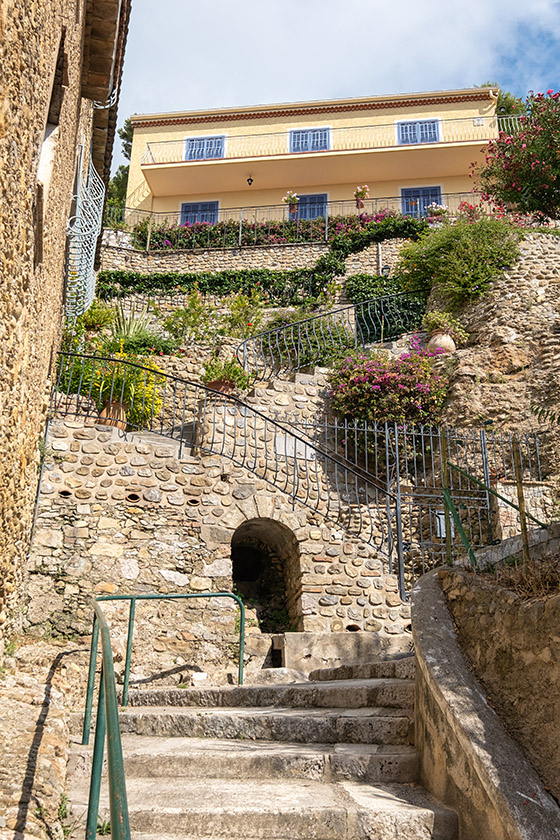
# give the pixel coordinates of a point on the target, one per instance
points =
(131, 324)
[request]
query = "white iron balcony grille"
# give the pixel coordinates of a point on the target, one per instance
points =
(84, 229)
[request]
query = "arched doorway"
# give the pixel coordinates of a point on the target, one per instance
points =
(267, 573)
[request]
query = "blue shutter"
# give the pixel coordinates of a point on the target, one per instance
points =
(199, 211)
(418, 131)
(309, 140)
(204, 148)
(416, 199)
(312, 206)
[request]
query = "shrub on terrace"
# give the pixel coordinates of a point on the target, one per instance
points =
(461, 261)
(377, 387)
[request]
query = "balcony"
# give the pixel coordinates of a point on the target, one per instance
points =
(202, 163)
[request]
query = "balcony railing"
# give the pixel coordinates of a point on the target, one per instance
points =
(350, 138)
(240, 227)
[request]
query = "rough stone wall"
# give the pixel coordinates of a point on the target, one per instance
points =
(121, 257)
(513, 648)
(32, 265)
(92, 538)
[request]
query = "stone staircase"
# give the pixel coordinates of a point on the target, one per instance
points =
(330, 759)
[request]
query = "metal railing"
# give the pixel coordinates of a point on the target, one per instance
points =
(304, 343)
(107, 722)
(242, 227)
(129, 639)
(84, 229)
(222, 425)
(347, 138)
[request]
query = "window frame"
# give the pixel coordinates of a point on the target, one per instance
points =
(435, 120)
(437, 187)
(216, 209)
(205, 138)
(297, 217)
(292, 131)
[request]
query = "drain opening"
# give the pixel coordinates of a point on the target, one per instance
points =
(132, 497)
(64, 493)
(353, 628)
(193, 502)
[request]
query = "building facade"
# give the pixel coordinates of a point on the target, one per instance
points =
(411, 150)
(61, 68)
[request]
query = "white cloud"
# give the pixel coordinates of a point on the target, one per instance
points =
(183, 55)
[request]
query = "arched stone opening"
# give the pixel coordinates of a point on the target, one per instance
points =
(267, 573)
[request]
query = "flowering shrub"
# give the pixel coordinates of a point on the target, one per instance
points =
(378, 387)
(460, 260)
(522, 168)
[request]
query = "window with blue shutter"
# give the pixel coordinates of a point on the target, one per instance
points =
(418, 131)
(199, 211)
(311, 206)
(310, 140)
(204, 148)
(415, 200)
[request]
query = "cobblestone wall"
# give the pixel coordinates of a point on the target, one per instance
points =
(32, 247)
(121, 257)
(119, 514)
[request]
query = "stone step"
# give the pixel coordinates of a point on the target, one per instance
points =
(192, 758)
(403, 668)
(317, 726)
(273, 810)
(331, 694)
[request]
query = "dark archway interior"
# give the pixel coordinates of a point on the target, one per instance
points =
(267, 574)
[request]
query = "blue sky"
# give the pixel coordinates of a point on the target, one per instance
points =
(184, 55)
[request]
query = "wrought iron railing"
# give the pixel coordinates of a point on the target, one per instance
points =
(84, 228)
(347, 138)
(317, 339)
(107, 723)
(241, 227)
(211, 422)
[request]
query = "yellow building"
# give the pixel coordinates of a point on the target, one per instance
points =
(411, 150)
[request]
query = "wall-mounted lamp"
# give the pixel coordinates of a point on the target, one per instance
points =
(249, 180)
(386, 270)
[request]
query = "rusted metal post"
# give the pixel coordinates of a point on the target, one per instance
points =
(148, 240)
(521, 500)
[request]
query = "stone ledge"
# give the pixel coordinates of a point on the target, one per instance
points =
(467, 759)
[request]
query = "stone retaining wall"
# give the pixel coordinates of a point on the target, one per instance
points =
(120, 257)
(93, 537)
(513, 648)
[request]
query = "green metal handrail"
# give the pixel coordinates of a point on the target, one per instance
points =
(107, 722)
(495, 493)
(131, 616)
(457, 520)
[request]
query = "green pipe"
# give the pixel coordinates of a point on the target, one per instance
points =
(128, 651)
(96, 764)
(91, 681)
(451, 507)
(495, 493)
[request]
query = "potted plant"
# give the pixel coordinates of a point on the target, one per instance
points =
(446, 332)
(291, 199)
(360, 194)
(225, 376)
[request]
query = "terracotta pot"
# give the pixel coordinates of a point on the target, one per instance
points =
(224, 386)
(359, 203)
(293, 208)
(440, 340)
(113, 414)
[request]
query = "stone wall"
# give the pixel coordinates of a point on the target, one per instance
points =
(119, 514)
(513, 648)
(32, 248)
(467, 760)
(117, 255)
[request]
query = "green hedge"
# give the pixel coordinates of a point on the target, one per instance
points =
(285, 287)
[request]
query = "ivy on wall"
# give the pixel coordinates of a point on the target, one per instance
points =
(287, 287)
